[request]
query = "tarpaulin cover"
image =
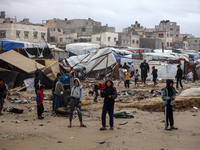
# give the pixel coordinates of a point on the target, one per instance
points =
(14, 79)
(165, 70)
(8, 45)
(90, 60)
(21, 62)
(81, 48)
(44, 80)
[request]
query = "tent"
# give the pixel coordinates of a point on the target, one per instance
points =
(14, 79)
(81, 48)
(94, 62)
(18, 62)
(9, 45)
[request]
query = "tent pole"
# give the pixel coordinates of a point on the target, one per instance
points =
(106, 67)
(94, 66)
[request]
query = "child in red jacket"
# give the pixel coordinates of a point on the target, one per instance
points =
(39, 100)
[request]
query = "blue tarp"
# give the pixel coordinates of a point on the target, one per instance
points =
(117, 57)
(8, 45)
(194, 56)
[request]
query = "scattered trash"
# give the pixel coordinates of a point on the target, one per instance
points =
(60, 141)
(15, 110)
(6, 136)
(72, 137)
(123, 115)
(1, 133)
(103, 142)
(84, 102)
(17, 121)
(123, 123)
(17, 101)
(195, 108)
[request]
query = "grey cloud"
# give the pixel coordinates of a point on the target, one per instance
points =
(116, 13)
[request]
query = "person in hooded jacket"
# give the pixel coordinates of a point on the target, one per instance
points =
(76, 100)
(58, 89)
(36, 82)
(168, 96)
(110, 94)
(155, 75)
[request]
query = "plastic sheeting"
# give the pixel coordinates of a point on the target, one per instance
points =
(165, 70)
(81, 48)
(90, 60)
(29, 84)
(8, 45)
(191, 92)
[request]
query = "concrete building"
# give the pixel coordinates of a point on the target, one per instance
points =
(169, 27)
(105, 39)
(150, 43)
(128, 40)
(24, 31)
(193, 43)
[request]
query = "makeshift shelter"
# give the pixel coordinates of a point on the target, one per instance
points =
(101, 62)
(166, 68)
(14, 79)
(81, 48)
(10, 45)
(60, 54)
(17, 62)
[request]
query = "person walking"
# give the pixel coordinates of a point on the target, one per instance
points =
(144, 69)
(179, 75)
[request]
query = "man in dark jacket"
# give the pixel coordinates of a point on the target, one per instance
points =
(110, 94)
(2, 94)
(144, 69)
(53, 90)
(179, 75)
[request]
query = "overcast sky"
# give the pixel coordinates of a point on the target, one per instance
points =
(117, 13)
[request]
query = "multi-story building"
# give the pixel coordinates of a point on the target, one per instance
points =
(24, 31)
(193, 43)
(170, 28)
(128, 40)
(105, 39)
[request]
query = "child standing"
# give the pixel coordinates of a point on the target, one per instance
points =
(168, 97)
(136, 77)
(96, 88)
(110, 94)
(39, 99)
(2, 94)
(76, 99)
(155, 75)
(127, 76)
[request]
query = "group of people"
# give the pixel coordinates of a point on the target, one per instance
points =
(126, 72)
(107, 91)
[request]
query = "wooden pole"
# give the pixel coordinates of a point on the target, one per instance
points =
(106, 67)
(94, 66)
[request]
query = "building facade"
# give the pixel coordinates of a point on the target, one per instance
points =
(170, 28)
(24, 31)
(105, 39)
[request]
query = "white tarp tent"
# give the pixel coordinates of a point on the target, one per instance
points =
(81, 48)
(165, 70)
(89, 61)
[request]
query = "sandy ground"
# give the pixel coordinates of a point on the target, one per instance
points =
(144, 131)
